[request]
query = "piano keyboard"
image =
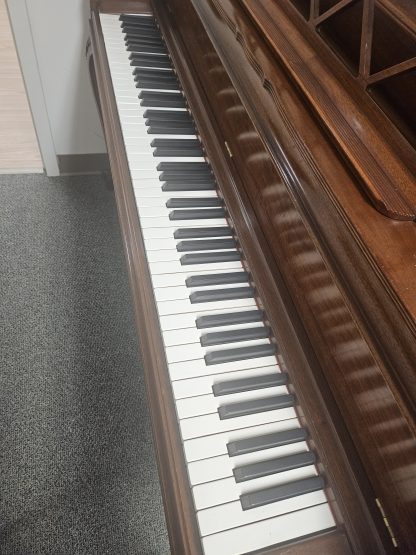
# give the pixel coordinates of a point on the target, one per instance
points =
(253, 477)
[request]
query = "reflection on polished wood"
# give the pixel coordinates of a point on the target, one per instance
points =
(298, 161)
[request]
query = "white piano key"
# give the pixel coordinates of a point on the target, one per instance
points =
(174, 280)
(168, 255)
(194, 351)
(227, 490)
(209, 404)
(197, 367)
(178, 224)
(158, 245)
(150, 162)
(161, 211)
(203, 385)
(215, 445)
(217, 468)
(133, 144)
(176, 267)
(183, 292)
(272, 531)
(185, 306)
(231, 515)
(209, 424)
(154, 196)
(187, 320)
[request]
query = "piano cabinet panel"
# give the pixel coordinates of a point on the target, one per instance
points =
(346, 359)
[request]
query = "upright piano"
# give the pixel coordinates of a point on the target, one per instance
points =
(263, 160)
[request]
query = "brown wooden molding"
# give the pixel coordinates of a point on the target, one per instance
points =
(386, 180)
(179, 508)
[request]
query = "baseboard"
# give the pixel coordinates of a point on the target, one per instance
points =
(83, 163)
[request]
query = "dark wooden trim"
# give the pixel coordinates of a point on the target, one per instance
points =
(366, 39)
(332, 11)
(179, 508)
(390, 71)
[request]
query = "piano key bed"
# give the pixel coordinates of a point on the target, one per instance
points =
(252, 474)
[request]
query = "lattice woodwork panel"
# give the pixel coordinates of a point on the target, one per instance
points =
(376, 40)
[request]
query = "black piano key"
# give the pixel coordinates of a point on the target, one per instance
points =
(144, 40)
(273, 466)
(234, 336)
(147, 84)
(249, 384)
(267, 441)
(143, 24)
(241, 353)
(229, 319)
(183, 124)
(203, 214)
(217, 295)
(184, 167)
(282, 492)
(167, 115)
(178, 186)
(161, 152)
(161, 99)
(169, 79)
(191, 178)
(210, 257)
(141, 34)
(183, 144)
(253, 406)
(194, 202)
(137, 18)
(142, 60)
(202, 232)
(137, 25)
(178, 151)
(146, 49)
(157, 58)
(208, 245)
(171, 129)
(188, 173)
(217, 279)
(153, 73)
(184, 121)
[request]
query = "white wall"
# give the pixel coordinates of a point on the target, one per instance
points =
(60, 31)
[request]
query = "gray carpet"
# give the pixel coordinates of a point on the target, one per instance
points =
(78, 472)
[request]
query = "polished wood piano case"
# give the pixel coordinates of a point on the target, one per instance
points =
(317, 168)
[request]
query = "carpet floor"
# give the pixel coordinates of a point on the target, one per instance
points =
(77, 466)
